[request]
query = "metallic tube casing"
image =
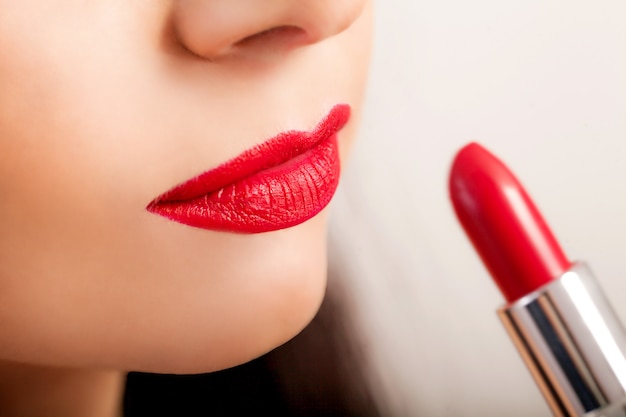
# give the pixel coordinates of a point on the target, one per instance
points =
(574, 345)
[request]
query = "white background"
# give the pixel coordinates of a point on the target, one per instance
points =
(542, 84)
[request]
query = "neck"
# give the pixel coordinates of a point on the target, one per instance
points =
(31, 390)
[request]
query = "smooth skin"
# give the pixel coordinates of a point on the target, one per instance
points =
(106, 104)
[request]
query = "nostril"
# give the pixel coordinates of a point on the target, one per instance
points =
(217, 30)
(280, 37)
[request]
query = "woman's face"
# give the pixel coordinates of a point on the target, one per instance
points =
(107, 104)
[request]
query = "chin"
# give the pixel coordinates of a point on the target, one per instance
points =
(168, 298)
(202, 354)
(264, 302)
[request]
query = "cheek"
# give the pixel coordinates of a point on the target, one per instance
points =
(89, 278)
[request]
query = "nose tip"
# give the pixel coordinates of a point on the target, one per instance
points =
(214, 29)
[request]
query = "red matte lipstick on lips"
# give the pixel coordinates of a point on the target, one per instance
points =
(278, 184)
(557, 315)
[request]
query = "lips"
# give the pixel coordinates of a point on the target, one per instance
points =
(278, 184)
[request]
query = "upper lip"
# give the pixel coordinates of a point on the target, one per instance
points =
(271, 153)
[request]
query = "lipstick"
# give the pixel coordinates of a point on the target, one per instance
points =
(556, 313)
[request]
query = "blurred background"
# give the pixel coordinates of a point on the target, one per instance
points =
(542, 84)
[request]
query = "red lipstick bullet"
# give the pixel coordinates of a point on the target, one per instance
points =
(507, 230)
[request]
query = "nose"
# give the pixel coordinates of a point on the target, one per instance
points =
(214, 29)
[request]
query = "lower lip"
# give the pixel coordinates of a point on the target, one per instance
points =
(272, 199)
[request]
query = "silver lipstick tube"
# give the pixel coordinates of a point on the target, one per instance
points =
(574, 345)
